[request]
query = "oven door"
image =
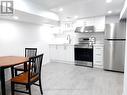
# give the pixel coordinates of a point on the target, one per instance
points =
(84, 55)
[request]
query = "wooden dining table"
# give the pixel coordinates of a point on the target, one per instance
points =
(9, 62)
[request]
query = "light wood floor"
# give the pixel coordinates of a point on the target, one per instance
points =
(66, 79)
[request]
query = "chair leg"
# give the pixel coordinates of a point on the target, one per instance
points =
(12, 71)
(12, 88)
(16, 72)
(29, 89)
(40, 86)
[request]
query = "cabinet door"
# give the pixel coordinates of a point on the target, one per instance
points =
(67, 26)
(69, 55)
(52, 52)
(99, 23)
(57, 52)
(60, 53)
(89, 22)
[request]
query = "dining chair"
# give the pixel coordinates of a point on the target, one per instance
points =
(29, 52)
(29, 77)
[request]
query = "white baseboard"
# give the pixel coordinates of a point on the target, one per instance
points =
(62, 61)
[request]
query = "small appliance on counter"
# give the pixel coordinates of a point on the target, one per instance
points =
(84, 52)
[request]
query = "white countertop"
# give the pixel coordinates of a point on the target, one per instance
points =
(64, 44)
(97, 44)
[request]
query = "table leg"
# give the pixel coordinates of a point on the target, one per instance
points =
(25, 66)
(3, 89)
(12, 71)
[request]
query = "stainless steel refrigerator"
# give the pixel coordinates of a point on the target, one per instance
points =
(114, 46)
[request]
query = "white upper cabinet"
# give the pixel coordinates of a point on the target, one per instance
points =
(99, 23)
(66, 26)
(89, 22)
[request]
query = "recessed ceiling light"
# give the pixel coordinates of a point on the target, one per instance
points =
(15, 17)
(108, 1)
(60, 9)
(75, 17)
(109, 12)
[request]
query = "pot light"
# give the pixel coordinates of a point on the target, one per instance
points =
(109, 12)
(108, 1)
(60, 9)
(16, 17)
(75, 17)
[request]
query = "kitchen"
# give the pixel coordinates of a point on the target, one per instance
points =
(95, 36)
(73, 42)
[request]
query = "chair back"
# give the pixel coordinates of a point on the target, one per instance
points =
(30, 52)
(35, 64)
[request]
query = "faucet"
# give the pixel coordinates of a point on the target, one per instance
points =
(69, 38)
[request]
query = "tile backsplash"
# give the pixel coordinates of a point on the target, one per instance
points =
(98, 36)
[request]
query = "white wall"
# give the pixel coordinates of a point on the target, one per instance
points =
(125, 72)
(124, 15)
(15, 36)
(112, 19)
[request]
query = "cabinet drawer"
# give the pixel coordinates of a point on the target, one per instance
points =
(98, 50)
(98, 59)
(98, 62)
(98, 53)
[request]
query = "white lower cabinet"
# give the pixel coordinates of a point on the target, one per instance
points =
(98, 55)
(63, 53)
(69, 53)
(52, 49)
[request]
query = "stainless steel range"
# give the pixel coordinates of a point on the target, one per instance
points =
(84, 52)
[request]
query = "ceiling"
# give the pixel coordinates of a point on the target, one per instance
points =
(30, 18)
(47, 11)
(80, 8)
